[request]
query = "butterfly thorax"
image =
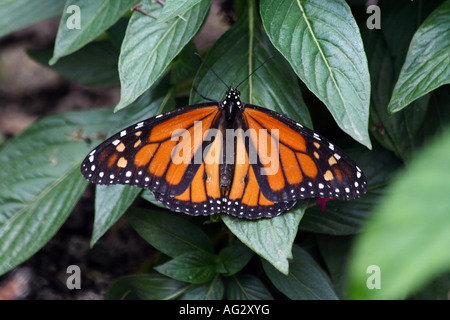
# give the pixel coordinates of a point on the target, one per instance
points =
(231, 106)
(231, 103)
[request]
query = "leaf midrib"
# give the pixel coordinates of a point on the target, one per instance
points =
(313, 35)
(158, 44)
(40, 196)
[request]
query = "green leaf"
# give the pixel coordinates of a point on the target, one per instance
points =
(95, 17)
(93, 65)
(40, 182)
(192, 267)
(408, 237)
(246, 287)
(27, 225)
(174, 8)
(427, 64)
(321, 41)
(306, 280)
(213, 290)
(270, 238)
(172, 235)
(150, 45)
(274, 86)
(111, 202)
(232, 259)
(18, 14)
(145, 287)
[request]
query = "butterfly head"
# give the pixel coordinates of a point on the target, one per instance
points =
(232, 103)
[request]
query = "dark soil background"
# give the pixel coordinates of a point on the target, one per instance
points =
(29, 91)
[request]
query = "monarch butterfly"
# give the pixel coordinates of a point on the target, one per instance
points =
(227, 156)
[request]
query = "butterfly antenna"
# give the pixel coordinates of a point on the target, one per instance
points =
(264, 62)
(205, 98)
(204, 62)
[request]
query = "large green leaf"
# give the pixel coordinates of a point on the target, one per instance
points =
(150, 45)
(306, 279)
(274, 86)
(95, 18)
(17, 14)
(27, 225)
(40, 181)
(321, 41)
(427, 64)
(408, 237)
(272, 238)
(172, 235)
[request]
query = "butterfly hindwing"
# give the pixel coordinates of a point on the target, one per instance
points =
(245, 199)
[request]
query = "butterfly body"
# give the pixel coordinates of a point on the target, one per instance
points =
(225, 156)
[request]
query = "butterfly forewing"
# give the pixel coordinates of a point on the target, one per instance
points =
(157, 154)
(203, 195)
(306, 165)
(245, 198)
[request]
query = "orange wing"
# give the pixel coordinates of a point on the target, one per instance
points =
(158, 153)
(245, 199)
(294, 162)
(203, 195)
